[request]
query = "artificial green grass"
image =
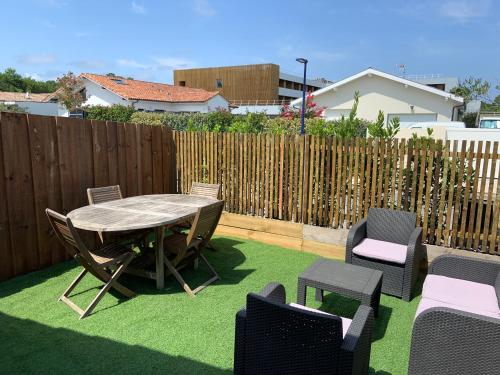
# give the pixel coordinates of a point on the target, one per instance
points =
(166, 331)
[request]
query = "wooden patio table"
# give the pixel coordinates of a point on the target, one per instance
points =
(141, 212)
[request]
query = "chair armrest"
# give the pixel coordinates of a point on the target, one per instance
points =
(356, 346)
(466, 268)
(414, 243)
(356, 234)
(275, 292)
(239, 342)
(412, 263)
(450, 341)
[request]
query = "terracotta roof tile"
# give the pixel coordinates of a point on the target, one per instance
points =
(141, 90)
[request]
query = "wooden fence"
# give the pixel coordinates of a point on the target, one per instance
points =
(453, 188)
(51, 161)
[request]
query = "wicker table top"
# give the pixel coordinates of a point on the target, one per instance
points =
(343, 276)
(140, 212)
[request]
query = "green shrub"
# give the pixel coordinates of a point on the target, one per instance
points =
(117, 112)
(469, 119)
(147, 118)
(11, 108)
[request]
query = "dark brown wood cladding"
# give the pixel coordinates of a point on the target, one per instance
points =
(49, 162)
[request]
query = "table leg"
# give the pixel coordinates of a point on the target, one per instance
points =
(301, 292)
(160, 267)
(319, 295)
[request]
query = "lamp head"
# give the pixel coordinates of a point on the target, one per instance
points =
(301, 60)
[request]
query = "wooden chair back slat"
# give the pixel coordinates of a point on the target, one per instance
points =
(104, 194)
(206, 190)
(70, 238)
(205, 222)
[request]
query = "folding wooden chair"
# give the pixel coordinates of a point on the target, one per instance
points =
(182, 249)
(204, 190)
(99, 262)
(111, 193)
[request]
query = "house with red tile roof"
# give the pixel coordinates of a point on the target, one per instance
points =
(148, 96)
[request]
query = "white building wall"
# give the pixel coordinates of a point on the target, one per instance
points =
(377, 93)
(44, 108)
(96, 95)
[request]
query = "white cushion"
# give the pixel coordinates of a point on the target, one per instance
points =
(381, 250)
(345, 321)
(427, 303)
(458, 292)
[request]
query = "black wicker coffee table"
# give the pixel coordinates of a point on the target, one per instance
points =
(348, 280)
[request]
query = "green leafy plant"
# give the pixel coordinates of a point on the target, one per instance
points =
(117, 112)
(378, 129)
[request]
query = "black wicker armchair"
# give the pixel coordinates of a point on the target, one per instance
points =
(275, 338)
(457, 324)
(388, 241)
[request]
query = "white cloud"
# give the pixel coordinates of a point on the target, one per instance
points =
(131, 63)
(328, 56)
(81, 34)
(88, 64)
(37, 59)
(157, 63)
(138, 8)
(463, 11)
(173, 62)
(204, 8)
(47, 24)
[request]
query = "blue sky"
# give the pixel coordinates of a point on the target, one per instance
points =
(147, 38)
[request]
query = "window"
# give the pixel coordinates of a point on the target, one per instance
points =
(118, 80)
(182, 83)
(218, 83)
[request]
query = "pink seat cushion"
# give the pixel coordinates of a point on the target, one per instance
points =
(381, 250)
(427, 303)
(467, 294)
(345, 321)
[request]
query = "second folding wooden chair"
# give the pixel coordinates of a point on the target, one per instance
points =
(183, 249)
(112, 193)
(106, 262)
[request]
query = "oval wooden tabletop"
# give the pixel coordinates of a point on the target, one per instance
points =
(140, 212)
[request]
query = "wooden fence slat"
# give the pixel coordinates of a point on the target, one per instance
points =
(46, 185)
(444, 191)
(333, 182)
(368, 177)
(100, 153)
(428, 186)
(19, 192)
(158, 167)
(490, 201)
(6, 256)
(472, 213)
(361, 180)
(112, 152)
(349, 186)
(465, 206)
(481, 197)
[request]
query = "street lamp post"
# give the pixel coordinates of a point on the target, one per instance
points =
(304, 88)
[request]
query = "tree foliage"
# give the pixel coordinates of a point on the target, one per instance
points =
(12, 81)
(472, 89)
(69, 93)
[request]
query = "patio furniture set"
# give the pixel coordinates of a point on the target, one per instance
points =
(127, 223)
(457, 323)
